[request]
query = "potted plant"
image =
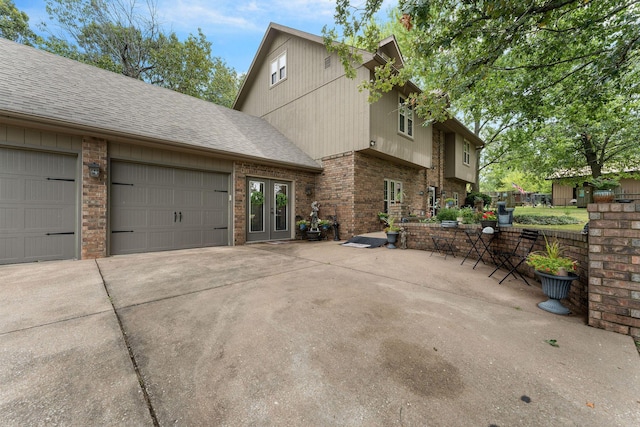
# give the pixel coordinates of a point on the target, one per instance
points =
(303, 224)
(556, 273)
(325, 224)
(603, 192)
(392, 231)
(489, 219)
(383, 217)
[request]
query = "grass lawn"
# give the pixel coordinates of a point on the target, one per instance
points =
(579, 213)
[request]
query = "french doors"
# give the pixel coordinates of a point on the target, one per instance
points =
(268, 209)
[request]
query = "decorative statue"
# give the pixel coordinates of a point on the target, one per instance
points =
(315, 207)
(403, 238)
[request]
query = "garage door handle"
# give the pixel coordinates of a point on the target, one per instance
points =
(175, 216)
(180, 216)
(59, 234)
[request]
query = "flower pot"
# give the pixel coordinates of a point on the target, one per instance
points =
(556, 288)
(392, 238)
(603, 196)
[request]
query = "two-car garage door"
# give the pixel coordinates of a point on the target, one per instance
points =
(156, 208)
(38, 206)
(152, 208)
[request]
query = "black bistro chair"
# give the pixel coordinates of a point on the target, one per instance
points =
(525, 244)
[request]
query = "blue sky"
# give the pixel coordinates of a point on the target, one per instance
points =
(234, 27)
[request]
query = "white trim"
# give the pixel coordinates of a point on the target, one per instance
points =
(278, 69)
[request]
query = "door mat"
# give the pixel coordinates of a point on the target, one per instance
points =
(365, 242)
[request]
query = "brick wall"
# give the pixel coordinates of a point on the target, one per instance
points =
(243, 169)
(614, 267)
(576, 247)
(94, 200)
(335, 191)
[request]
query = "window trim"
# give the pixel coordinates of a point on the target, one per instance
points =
(405, 121)
(466, 152)
(280, 62)
(391, 188)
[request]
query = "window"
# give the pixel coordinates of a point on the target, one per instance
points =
(456, 200)
(392, 193)
(279, 69)
(405, 117)
(466, 152)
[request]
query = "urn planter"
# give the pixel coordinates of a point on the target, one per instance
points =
(603, 196)
(556, 288)
(392, 238)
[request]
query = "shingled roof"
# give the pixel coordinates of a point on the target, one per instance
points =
(42, 87)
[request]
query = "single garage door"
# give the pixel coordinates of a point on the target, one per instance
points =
(38, 194)
(155, 208)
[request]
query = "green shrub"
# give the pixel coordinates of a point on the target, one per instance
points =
(448, 214)
(471, 198)
(468, 215)
(545, 219)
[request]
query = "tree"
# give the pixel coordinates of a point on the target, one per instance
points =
(14, 24)
(523, 69)
(123, 37)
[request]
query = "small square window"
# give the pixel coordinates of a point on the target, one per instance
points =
(279, 69)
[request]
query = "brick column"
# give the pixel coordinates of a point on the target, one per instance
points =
(614, 267)
(94, 199)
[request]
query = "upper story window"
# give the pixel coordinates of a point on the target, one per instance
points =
(405, 117)
(466, 152)
(279, 69)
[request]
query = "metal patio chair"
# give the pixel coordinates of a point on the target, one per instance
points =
(525, 244)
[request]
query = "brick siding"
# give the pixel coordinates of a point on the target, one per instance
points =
(614, 267)
(301, 180)
(94, 199)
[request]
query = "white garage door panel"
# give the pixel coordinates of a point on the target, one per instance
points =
(157, 208)
(38, 212)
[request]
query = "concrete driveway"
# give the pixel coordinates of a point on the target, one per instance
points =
(300, 334)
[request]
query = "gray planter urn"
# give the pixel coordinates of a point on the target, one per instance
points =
(392, 238)
(556, 288)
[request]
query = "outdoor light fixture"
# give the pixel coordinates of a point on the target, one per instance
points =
(308, 190)
(94, 170)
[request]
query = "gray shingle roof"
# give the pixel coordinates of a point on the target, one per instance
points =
(41, 85)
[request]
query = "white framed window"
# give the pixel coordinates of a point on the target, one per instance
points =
(466, 152)
(405, 117)
(392, 193)
(456, 200)
(279, 69)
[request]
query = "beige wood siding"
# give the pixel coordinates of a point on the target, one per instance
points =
(384, 131)
(630, 187)
(330, 120)
(561, 194)
(27, 137)
(455, 168)
(144, 154)
(305, 73)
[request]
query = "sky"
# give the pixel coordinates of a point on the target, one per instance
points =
(234, 27)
